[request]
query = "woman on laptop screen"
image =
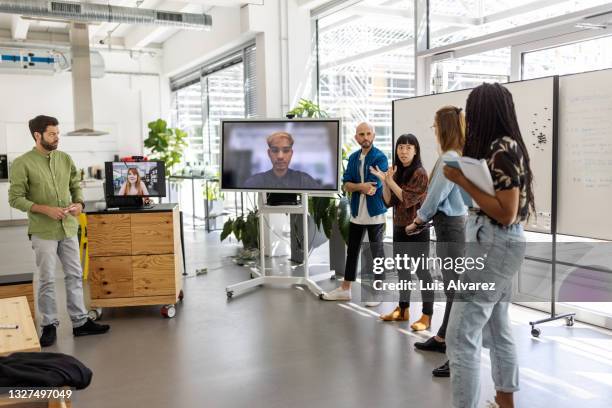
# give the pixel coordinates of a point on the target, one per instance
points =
(134, 185)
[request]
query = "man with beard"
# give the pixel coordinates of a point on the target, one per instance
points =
(280, 176)
(45, 184)
(367, 207)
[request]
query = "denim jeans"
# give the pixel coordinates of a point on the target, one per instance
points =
(450, 242)
(480, 318)
(47, 252)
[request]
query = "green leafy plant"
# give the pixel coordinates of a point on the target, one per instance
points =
(307, 109)
(244, 228)
(326, 211)
(166, 144)
(214, 192)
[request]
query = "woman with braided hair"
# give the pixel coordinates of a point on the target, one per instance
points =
(493, 233)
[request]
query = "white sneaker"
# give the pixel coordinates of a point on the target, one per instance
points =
(491, 404)
(337, 294)
(371, 304)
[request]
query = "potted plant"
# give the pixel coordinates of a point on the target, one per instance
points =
(166, 144)
(331, 215)
(214, 200)
(245, 229)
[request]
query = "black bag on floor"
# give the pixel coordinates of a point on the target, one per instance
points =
(43, 370)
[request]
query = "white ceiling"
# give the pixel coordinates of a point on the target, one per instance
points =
(125, 35)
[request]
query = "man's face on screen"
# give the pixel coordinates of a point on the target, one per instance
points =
(280, 152)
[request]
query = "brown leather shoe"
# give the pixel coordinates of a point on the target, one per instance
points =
(423, 323)
(397, 315)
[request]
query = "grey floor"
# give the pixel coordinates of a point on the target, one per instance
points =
(282, 347)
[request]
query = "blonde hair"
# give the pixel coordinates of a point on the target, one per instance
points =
(450, 122)
(284, 135)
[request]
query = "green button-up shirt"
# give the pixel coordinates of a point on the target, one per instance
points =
(51, 180)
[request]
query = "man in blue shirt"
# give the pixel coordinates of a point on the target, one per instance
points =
(367, 206)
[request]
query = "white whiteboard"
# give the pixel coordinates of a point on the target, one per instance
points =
(533, 101)
(585, 155)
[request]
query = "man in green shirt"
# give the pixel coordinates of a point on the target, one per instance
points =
(45, 184)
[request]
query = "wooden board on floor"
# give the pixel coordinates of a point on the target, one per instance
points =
(22, 289)
(17, 311)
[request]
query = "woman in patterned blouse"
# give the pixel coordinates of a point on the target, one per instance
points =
(494, 233)
(404, 189)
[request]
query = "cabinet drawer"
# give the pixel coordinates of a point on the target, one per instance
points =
(111, 277)
(109, 235)
(152, 233)
(153, 275)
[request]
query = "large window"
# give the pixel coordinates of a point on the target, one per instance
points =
(452, 21)
(224, 98)
(187, 115)
(568, 59)
(471, 71)
(366, 60)
(224, 89)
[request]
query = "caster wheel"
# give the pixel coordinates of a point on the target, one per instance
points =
(536, 332)
(168, 311)
(95, 314)
(181, 295)
(230, 294)
(569, 321)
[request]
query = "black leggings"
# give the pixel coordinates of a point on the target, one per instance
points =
(420, 247)
(450, 242)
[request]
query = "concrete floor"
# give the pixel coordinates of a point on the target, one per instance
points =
(282, 347)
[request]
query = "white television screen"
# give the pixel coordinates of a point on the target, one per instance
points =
(298, 155)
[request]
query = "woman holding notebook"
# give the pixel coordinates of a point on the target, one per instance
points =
(494, 234)
(446, 207)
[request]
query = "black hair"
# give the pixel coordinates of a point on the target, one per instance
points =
(490, 115)
(404, 174)
(39, 124)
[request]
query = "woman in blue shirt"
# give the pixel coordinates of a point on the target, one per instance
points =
(446, 207)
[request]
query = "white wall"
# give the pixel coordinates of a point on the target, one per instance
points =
(189, 48)
(284, 63)
(123, 104)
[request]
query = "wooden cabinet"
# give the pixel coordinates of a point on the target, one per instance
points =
(152, 234)
(109, 234)
(135, 258)
(110, 277)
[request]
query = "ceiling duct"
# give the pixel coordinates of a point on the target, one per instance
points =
(91, 12)
(81, 82)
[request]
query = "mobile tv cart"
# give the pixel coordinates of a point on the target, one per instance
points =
(134, 258)
(261, 278)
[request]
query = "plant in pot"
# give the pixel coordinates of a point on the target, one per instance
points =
(330, 214)
(166, 144)
(214, 200)
(246, 230)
